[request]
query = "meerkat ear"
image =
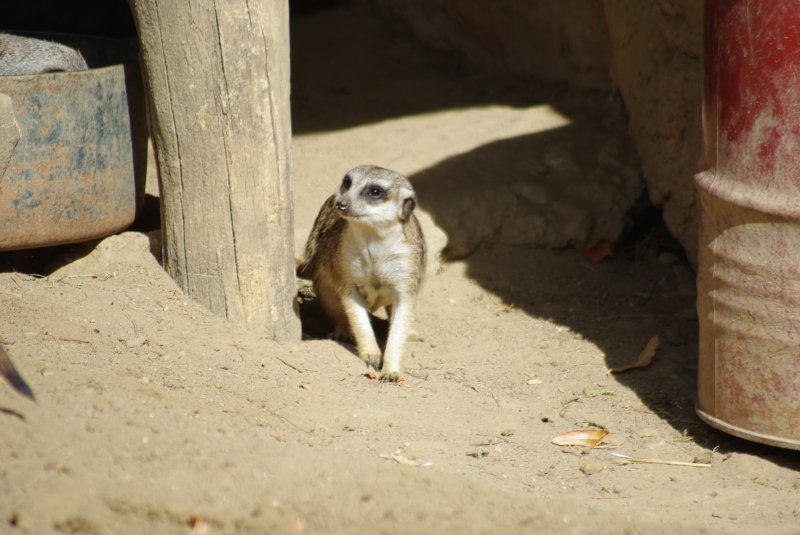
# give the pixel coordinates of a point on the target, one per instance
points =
(408, 206)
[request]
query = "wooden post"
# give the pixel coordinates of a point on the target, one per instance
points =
(217, 79)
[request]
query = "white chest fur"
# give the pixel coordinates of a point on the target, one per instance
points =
(378, 263)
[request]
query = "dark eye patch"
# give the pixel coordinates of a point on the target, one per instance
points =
(374, 192)
(346, 183)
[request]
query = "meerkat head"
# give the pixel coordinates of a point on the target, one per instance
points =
(375, 196)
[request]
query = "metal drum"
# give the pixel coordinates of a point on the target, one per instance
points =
(749, 242)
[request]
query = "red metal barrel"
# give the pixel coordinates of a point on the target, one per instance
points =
(749, 256)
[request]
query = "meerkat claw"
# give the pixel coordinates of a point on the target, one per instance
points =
(391, 377)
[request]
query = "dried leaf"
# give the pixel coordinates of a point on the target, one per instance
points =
(199, 526)
(598, 252)
(643, 360)
(582, 437)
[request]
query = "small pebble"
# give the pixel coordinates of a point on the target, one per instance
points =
(591, 466)
(135, 342)
(704, 457)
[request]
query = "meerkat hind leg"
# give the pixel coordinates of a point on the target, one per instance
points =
(358, 316)
(330, 304)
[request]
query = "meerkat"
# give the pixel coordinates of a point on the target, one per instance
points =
(367, 251)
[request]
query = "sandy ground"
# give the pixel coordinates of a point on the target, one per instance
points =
(153, 416)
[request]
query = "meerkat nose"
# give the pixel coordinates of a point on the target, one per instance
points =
(342, 206)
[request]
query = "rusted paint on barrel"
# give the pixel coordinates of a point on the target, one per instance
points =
(77, 170)
(749, 258)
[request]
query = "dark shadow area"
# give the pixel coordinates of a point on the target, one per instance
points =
(44, 261)
(316, 325)
(370, 75)
(647, 287)
(148, 217)
(148, 222)
(110, 18)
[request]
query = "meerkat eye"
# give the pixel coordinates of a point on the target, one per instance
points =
(375, 192)
(346, 183)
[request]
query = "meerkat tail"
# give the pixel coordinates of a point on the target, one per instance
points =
(11, 374)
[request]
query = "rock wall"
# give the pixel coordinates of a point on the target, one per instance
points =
(657, 68)
(556, 41)
(648, 51)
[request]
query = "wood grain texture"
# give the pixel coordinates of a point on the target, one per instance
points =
(217, 77)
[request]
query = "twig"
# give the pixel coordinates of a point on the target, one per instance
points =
(659, 461)
(286, 420)
(12, 412)
(564, 406)
(67, 339)
(298, 369)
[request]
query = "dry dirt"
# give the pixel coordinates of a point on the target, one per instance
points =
(153, 416)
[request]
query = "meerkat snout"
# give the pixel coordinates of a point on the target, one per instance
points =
(366, 252)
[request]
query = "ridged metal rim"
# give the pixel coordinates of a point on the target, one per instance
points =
(770, 440)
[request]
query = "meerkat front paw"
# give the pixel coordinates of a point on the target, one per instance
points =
(372, 360)
(391, 377)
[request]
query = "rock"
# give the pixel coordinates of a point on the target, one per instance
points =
(591, 466)
(704, 457)
(135, 342)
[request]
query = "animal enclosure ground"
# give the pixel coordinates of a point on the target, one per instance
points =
(153, 416)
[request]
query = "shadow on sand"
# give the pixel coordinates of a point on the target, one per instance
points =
(617, 305)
